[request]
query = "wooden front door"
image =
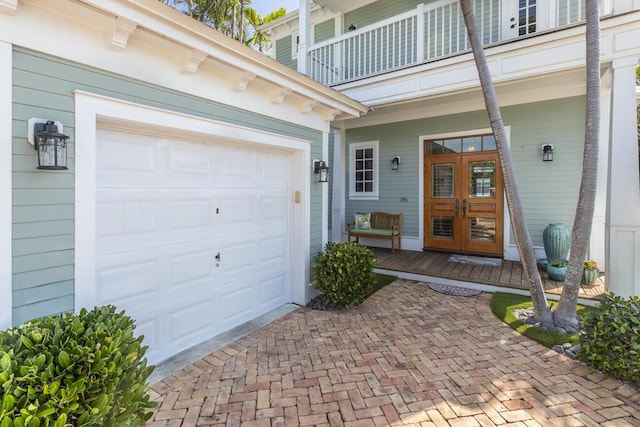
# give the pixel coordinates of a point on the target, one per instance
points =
(463, 208)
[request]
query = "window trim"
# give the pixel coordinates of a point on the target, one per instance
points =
(370, 195)
(295, 43)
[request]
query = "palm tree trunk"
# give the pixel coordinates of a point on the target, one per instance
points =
(542, 312)
(565, 313)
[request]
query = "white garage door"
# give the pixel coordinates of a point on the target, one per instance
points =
(191, 238)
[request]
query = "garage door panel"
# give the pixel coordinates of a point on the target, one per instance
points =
(160, 227)
(238, 169)
(137, 219)
(194, 213)
(149, 329)
(237, 210)
(182, 328)
(237, 258)
(123, 218)
(273, 251)
(128, 280)
(118, 154)
(192, 164)
(185, 269)
(272, 205)
(238, 303)
(272, 291)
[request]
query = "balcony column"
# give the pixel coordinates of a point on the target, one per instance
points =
(623, 187)
(304, 32)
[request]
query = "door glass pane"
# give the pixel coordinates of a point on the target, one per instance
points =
(482, 179)
(452, 146)
(472, 144)
(442, 183)
(488, 143)
(435, 147)
(482, 229)
(442, 227)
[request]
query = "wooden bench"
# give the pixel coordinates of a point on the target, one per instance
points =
(383, 226)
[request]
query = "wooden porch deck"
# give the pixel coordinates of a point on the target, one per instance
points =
(508, 275)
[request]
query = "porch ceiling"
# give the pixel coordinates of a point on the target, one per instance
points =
(513, 92)
(341, 5)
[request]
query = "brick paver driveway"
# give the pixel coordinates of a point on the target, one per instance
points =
(407, 356)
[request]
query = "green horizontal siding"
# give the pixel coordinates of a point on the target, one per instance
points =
(378, 11)
(548, 189)
(284, 52)
(42, 308)
(43, 201)
(324, 30)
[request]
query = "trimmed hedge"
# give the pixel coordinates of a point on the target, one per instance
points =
(84, 369)
(611, 339)
(344, 273)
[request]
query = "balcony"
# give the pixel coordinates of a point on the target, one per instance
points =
(433, 31)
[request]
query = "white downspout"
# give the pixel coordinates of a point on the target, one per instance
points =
(337, 188)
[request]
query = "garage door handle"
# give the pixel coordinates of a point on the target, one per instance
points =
(217, 257)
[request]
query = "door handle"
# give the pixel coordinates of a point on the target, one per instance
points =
(217, 258)
(457, 208)
(464, 208)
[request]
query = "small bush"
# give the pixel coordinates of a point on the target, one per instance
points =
(344, 273)
(83, 369)
(611, 339)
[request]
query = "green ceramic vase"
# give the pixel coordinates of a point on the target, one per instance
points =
(557, 240)
(589, 276)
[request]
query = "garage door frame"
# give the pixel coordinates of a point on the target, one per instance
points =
(92, 110)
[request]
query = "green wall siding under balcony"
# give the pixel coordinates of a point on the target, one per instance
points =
(548, 189)
(43, 202)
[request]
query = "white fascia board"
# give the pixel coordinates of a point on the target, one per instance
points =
(165, 21)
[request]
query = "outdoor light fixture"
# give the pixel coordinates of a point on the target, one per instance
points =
(353, 27)
(395, 162)
(320, 167)
(547, 153)
(50, 144)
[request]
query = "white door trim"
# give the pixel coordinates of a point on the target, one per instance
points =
(6, 117)
(92, 109)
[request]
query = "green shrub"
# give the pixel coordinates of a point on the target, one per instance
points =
(344, 273)
(83, 369)
(611, 339)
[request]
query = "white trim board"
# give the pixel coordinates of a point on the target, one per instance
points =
(6, 128)
(92, 110)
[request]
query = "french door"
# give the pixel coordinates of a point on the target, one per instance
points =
(520, 17)
(463, 208)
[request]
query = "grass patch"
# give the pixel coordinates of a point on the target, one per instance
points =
(382, 280)
(503, 304)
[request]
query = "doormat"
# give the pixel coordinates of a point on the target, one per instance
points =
(454, 290)
(476, 260)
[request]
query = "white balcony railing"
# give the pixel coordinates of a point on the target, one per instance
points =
(432, 31)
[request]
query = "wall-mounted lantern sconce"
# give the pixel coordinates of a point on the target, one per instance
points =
(395, 162)
(547, 152)
(353, 27)
(50, 144)
(321, 168)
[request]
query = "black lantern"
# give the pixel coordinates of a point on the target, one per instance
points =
(395, 162)
(547, 153)
(320, 167)
(51, 146)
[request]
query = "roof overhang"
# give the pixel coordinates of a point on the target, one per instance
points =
(149, 29)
